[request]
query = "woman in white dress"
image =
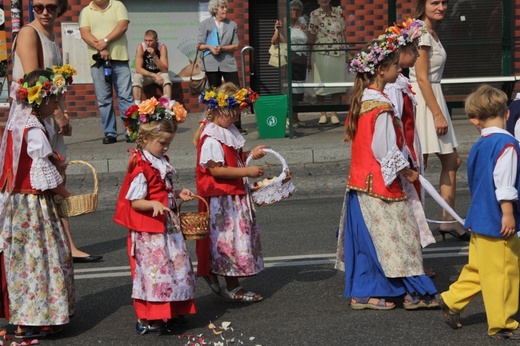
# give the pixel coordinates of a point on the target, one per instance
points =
(433, 120)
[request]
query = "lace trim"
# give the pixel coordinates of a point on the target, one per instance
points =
(160, 163)
(376, 95)
(402, 83)
(393, 162)
(44, 176)
(230, 136)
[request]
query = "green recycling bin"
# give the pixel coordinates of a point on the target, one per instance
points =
(271, 112)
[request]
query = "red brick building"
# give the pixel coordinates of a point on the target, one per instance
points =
(474, 34)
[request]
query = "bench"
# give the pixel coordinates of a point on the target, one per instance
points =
(454, 98)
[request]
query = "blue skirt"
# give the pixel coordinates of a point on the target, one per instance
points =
(364, 274)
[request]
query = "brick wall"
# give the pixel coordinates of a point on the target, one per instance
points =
(364, 21)
(81, 100)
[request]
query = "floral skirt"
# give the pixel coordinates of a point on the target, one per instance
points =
(234, 237)
(161, 267)
(382, 251)
(38, 262)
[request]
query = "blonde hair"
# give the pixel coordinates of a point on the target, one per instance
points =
(227, 88)
(361, 82)
(153, 130)
(485, 103)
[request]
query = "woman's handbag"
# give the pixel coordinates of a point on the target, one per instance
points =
(197, 86)
(278, 55)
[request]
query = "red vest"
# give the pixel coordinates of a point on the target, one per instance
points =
(22, 182)
(408, 119)
(208, 185)
(365, 171)
(141, 221)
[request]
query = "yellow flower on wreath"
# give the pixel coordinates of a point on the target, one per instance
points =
(221, 100)
(209, 95)
(34, 93)
(240, 95)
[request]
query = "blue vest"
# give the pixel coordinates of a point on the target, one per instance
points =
(484, 215)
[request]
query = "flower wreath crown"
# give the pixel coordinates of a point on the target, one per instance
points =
(56, 85)
(152, 110)
(219, 100)
(408, 31)
(366, 62)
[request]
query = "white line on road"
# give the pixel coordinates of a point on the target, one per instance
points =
(271, 262)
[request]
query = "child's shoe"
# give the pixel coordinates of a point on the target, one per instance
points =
(507, 334)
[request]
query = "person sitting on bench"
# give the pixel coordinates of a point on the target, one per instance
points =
(151, 66)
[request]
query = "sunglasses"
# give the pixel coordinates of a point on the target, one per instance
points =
(51, 9)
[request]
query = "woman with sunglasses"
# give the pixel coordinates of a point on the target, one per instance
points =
(38, 36)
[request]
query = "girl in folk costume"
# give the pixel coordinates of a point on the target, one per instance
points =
(233, 247)
(36, 252)
(402, 97)
(382, 250)
(163, 279)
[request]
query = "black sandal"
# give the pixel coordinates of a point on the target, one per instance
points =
(451, 318)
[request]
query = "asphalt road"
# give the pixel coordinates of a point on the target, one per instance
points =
(303, 304)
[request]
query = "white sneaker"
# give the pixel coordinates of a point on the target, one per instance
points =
(334, 120)
(323, 120)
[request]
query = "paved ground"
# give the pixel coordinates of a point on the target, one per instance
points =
(313, 144)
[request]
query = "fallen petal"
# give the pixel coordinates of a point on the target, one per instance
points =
(225, 325)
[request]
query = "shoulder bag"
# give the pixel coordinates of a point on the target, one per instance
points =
(197, 86)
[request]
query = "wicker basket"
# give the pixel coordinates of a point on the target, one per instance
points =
(277, 188)
(80, 204)
(195, 225)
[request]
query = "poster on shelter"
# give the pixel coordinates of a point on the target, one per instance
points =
(177, 26)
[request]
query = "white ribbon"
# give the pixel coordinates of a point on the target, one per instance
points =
(435, 195)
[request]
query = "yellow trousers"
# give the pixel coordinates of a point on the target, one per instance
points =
(493, 268)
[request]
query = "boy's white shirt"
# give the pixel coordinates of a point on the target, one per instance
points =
(504, 174)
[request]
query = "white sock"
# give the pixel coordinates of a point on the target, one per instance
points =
(137, 102)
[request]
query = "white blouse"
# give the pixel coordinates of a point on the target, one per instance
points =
(216, 136)
(43, 174)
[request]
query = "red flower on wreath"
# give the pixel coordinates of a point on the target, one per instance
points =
(130, 111)
(22, 93)
(47, 86)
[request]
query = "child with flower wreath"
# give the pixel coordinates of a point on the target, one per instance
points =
(402, 97)
(233, 247)
(37, 260)
(382, 250)
(163, 281)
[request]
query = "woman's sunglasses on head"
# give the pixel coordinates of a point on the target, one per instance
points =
(51, 9)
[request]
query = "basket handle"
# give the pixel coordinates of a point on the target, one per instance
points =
(285, 168)
(201, 198)
(74, 162)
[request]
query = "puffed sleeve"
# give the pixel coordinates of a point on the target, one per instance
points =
(384, 147)
(43, 174)
(138, 188)
(425, 40)
(211, 151)
(504, 175)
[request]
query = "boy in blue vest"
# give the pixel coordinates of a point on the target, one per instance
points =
(493, 217)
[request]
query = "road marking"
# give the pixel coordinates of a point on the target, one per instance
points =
(271, 262)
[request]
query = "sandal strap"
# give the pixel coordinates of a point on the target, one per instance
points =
(233, 291)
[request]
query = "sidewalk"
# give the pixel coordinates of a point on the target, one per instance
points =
(313, 144)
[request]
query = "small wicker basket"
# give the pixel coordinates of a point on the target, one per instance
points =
(277, 188)
(80, 204)
(195, 225)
